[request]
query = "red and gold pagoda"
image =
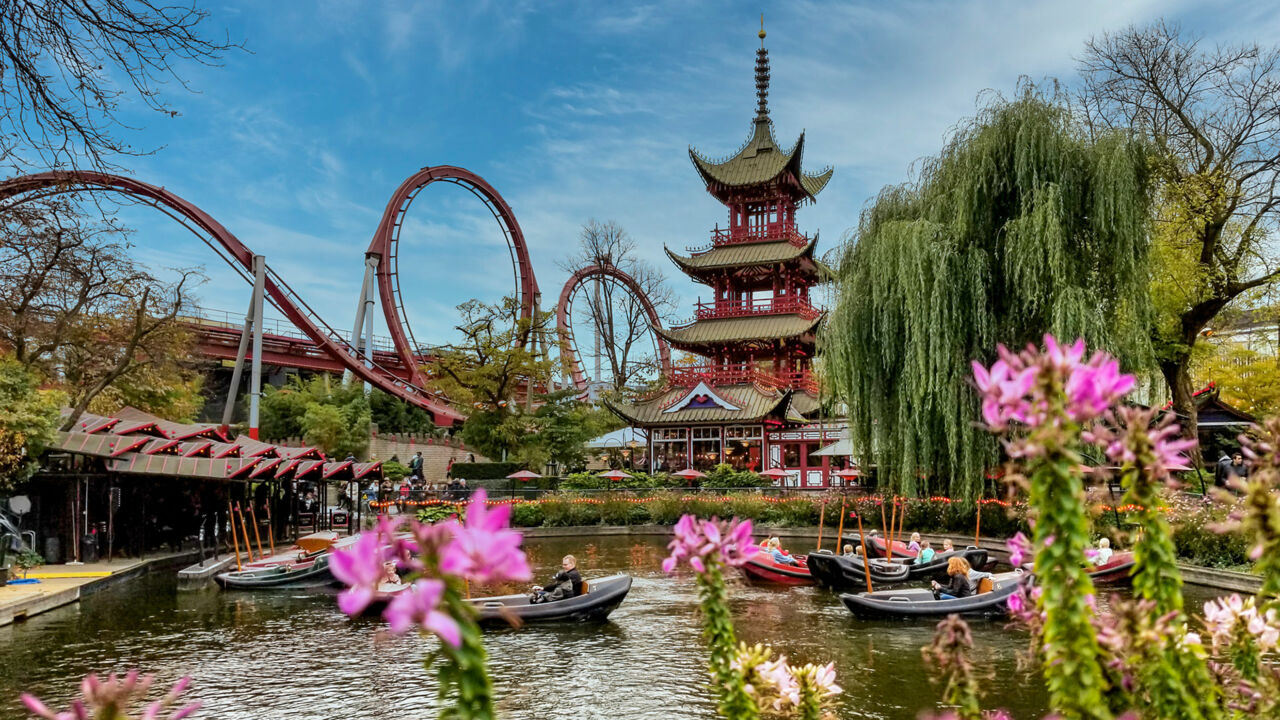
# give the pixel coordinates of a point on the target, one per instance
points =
(750, 402)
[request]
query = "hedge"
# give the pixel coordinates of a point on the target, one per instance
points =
(485, 470)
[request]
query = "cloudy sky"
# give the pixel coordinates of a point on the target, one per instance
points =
(572, 111)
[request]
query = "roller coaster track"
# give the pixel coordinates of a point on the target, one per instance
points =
(283, 298)
(564, 310)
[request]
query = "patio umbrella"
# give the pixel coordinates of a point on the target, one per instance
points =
(689, 474)
(614, 475)
(775, 473)
(523, 475)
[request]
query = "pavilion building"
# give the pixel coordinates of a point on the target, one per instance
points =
(753, 399)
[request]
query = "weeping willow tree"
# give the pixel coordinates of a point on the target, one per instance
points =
(1024, 224)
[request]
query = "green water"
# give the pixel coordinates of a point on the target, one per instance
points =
(292, 655)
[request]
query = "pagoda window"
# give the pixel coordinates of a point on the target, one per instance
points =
(670, 449)
(706, 448)
(744, 447)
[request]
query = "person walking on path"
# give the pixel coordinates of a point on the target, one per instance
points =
(1221, 470)
(415, 465)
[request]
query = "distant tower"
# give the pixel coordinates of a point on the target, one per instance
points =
(758, 331)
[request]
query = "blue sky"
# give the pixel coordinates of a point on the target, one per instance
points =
(572, 111)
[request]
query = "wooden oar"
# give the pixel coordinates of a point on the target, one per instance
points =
(235, 542)
(977, 531)
(822, 519)
(866, 559)
(256, 536)
(248, 549)
(271, 531)
(840, 531)
(884, 528)
(893, 519)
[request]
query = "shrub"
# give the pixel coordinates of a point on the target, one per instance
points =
(725, 477)
(394, 471)
(665, 508)
(526, 515)
(485, 471)
(436, 513)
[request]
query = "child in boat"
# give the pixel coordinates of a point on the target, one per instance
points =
(1104, 552)
(948, 546)
(780, 557)
(565, 584)
(957, 580)
(913, 547)
(925, 556)
(389, 575)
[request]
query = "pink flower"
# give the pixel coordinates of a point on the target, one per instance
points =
(114, 697)
(697, 541)
(360, 567)
(416, 607)
(1019, 547)
(485, 549)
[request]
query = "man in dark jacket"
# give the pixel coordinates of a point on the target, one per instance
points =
(1220, 471)
(415, 465)
(566, 584)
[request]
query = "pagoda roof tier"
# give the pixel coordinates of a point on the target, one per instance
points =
(730, 404)
(746, 255)
(760, 162)
(740, 329)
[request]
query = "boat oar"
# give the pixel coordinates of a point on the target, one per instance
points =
(822, 519)
(256, 536)
(866, 559)
(271, 531)
(977, 531)
(840, 531)
(884, 528)
(893, 521)
(235, 542)
(244, 528)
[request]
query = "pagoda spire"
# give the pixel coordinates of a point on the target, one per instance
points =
(762, 77)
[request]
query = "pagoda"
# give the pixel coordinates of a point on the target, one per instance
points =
(749, 401)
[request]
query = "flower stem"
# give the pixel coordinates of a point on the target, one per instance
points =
(717, 629)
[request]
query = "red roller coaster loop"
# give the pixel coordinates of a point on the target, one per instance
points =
(240, 258)
(386, 242)
(569, 349)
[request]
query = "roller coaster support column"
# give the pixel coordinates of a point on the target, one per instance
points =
(252, 322)
(362, 329)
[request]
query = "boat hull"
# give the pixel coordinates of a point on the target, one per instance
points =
(848, 573)
(603, 597)
(1117, 572)
(310, 574)
(759, 567)
(919, 603)
(937, 568)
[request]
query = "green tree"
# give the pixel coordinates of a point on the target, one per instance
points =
(1247, 379)
(1213, 119)
(28, 418)
(1022, 225)
(324, 413)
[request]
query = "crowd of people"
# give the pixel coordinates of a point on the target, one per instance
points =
(415, 487)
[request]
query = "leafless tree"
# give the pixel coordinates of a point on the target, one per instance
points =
(76, 308)
(617, 317)
(67, 65)
(1213, 116)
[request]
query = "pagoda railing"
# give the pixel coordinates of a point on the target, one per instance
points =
(740, 374)
(768, 233)
(724, 309)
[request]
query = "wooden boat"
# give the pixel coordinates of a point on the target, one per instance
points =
(762, 566)
(599, 598)
(317, 542)
(847, 572)
(917, 603)
(1117, 571)
(937, 567)
(304, 573)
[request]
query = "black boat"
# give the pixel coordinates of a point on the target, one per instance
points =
(599, 598)
(916, 603)
(845, 572)
(936, 569)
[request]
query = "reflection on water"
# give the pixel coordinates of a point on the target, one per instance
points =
(293, 655)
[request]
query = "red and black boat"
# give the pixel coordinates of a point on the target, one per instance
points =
(762, 566)
(1116, 571)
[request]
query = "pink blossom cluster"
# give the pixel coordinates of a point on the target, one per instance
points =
(699, 541)
(1137, 432)
(1019, 548)
(1022, 605)
(1224, 616)
(114, 698)
(483, 549)
(1015, 388)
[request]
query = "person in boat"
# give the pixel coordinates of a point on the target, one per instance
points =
(914, 546)
(925, 556)
(389, 574)
(948, 546)
(957, 580)
(848, 550)
(775, 551)
(1104, 552)
(565, 584)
